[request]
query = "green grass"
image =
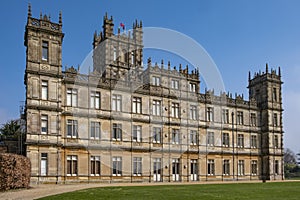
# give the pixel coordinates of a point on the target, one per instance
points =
(273, 191)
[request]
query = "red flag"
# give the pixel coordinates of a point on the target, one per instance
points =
(122, 25)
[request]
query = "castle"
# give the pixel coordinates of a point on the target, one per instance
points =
(125, 122)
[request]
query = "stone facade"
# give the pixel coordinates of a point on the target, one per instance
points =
(123, 123)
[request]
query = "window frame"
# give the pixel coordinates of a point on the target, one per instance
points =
(72, 165)
(45, 90)
(95, 130)
(73, 124)
(44, 121)
(117, 132)
(45, 50)
(137, 105)
(95, 165)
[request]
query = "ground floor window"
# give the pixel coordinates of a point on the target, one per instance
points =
(254, 167)
(241, 167)
(72, 165)
(211, 167)
(226, 167)
(157, 169)
(95, 165)
(276, 167)
(117, 166)
(44, 164)
(175, 169)
(194, 170)
(137, 166)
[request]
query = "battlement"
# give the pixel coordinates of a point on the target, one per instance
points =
(44, 22)
(267, 75)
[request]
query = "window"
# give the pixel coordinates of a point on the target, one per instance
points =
(156, 135)
(157, 169)
(240, 142)
(137, 105)
(95, 130)
(241, 167)
(174, 84)
(44, 90)
(137, 166)
(226, 167)
(114, 54)
(71, 97)
(276, 167)
(175, 110)
(117, 132)
(253, 141)
(137, 133)
(95, 100)
(116, 102)
(193, 112)
(225, 116)
(72, 128)
(225, 139)
(117, 166)
(240, 118)
(72, 165)
(175, 136)
(274, 94)
(210, 138)
(253, 167)
(44, 164)
(276, 141)
(192, 87)
(156, 80)
(194, 170)
(132, 57)
(210, 167)
(45, 46)
(44, 124)
(156, 108)
(209, 114)
(193, 137)
(95, 165)
(253, 119)
(275, 119)
(175, 169)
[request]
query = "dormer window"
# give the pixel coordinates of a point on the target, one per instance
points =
(45, 46)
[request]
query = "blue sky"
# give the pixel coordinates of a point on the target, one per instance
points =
(239, 35)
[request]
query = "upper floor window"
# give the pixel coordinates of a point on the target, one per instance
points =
(175, 136)
(156, 107)
(193, 112)
(156, 135)
(44, 90)
(132, 57)
(95, 100)
(253, 141)
(156, 80)
(116, 102)
(137, 105)
(225, 116)
(45, 50)
(210, 114)
(274, 95)
(72, 97)
(225, 139)
(276, 141)
(192, 87)
(253, 119)
(174, 84)
(117, 132)
(193, 137)
(240, 142)
(240, 118)
(44, 124)
(275, 119)
(210, 138)
(72, 128)
(114, 54)
(95, 130)
(137, 133)
(175, 110)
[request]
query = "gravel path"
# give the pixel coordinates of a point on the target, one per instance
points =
(38, 191)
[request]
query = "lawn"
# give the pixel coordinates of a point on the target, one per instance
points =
(282, 190)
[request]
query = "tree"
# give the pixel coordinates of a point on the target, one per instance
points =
(11, 129)
(289, 157)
